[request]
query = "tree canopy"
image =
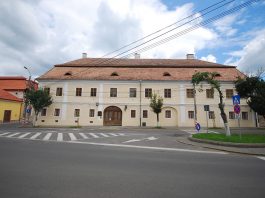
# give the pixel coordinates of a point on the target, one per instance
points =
(156, 103)
(253, 89)
(39, 99)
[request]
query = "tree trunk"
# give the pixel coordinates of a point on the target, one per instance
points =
(36, 118)
(157, 120)
(223, 114)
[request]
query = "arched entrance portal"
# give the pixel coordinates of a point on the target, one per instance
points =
(112, 116)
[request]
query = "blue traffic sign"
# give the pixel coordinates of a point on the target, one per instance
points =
(236, 99)
(198, 126)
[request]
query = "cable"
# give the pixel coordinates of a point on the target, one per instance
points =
(201, 15)
(183, 32)
(157, 31)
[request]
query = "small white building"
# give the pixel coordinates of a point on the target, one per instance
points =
(106, 92)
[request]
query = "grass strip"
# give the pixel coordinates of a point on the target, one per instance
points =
(245, 138)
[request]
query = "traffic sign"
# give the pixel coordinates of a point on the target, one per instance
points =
(236, 99)
(237, 109)
(198, 126)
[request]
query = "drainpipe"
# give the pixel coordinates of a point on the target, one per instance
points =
(140, 81)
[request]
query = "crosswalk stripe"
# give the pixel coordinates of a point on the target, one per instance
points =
(83, 135)
(122, 134)
(113, 134)
(72, 136)
(47, 136)
(60, 137)
(13, 134)
(24, 135)
(35, 136)
(2, 134)
(104, 135)
(93, 135)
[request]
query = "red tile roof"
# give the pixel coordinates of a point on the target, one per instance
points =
(138, 69)
(14, 83)
(8, 96)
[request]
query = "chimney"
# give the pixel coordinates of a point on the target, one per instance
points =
(137, 56)
(84, 55)
(190, 56)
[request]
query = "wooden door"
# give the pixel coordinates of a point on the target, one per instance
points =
(112, 116)
(7, 116)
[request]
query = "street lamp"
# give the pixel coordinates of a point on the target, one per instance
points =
(30, 86)
(28, 72)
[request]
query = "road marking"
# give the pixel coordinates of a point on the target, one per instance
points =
(35, 136)
(72, 137)
(13, 134)
(83, 135)
(47, 136)
(2, 134)
(24, 135)
(104, 135)
(60, 137)
(144, 139)
(121, 134)
(262, 158)
(113, 134)
(93, 135)
(150, 148)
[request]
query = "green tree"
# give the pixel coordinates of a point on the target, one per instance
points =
(39, 99)
(156, 103)
(253, 89)
(210, 78)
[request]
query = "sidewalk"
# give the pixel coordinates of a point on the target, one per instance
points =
(247, 151)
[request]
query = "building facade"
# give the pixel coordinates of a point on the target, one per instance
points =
(99, 92)
(10, 107)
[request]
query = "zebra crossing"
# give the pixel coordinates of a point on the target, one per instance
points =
(51, 136)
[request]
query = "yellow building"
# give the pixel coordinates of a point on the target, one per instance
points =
(10, 107)
(97, 92)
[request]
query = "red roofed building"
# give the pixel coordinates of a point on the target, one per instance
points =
(10, 107)
(102, 91)
(12, 92)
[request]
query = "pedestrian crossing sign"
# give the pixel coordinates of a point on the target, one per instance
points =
(236, 99)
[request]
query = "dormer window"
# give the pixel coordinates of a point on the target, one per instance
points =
(166, 74)
(114, 74)
(217, 75)
(68, 74)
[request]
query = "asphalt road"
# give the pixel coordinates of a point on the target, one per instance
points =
(53, 169)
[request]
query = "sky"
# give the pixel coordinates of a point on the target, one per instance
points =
(41, 33)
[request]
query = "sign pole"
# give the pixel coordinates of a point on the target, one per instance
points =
(206, 120)
(238, 119)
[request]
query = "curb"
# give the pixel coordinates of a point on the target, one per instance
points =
(222, 149)
(238, 145)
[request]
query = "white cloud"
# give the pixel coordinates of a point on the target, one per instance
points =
(225, 25)
(251, 57)
(39, 34)
(209, 58)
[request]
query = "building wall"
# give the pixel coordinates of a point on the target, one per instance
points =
(178, 104)
(15, 108)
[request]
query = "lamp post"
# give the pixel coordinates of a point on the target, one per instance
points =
(29, 75)
(29, 85)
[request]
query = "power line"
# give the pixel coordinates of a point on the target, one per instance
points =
(157, 31)
(160, 35)
(183, 32)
